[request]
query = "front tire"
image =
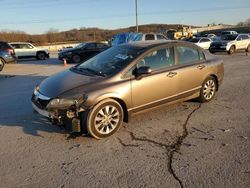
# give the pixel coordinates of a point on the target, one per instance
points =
(208, 90)
(76, 59)
(231, 50)
(104, 119)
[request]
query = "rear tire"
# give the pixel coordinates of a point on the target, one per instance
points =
(208, 90)
(41, 56)
(231, 50)
(248, 48)
(104, 119)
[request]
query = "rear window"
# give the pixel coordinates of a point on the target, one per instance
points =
(4, 45)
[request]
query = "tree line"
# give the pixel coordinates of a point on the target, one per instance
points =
(77, 35)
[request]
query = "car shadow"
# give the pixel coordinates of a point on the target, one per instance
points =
(15, 105)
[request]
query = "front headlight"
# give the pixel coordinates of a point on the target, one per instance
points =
(66, 103)
(61, 103)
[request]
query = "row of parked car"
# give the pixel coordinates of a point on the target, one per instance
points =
(9, 52)
(229, 41)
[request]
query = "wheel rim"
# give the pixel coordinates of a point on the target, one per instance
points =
(232, 50)
(107, 119)
(41, 56)
(76, 59)
(209, 89)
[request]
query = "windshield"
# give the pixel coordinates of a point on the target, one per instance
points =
(111, 60)
(81, 45)
(229, 37)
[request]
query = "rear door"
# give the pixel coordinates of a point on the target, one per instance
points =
(191, 69)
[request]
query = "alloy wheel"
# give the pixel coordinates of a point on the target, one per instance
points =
(107, 119)
(209, 89)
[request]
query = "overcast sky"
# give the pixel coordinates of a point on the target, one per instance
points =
(38, 16)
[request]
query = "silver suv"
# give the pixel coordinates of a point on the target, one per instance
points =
(231, 43)
(28, 50)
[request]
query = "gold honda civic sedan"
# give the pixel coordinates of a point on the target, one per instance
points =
(98, 95)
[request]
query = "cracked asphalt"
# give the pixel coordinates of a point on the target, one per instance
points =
(183, 145)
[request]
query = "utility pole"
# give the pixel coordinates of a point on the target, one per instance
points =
(136, 13)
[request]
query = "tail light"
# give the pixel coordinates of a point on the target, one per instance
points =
(11, 51)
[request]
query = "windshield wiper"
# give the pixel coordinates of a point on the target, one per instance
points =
(92, 71)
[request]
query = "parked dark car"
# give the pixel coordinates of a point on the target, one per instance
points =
(7, 54)
(82, 52)
(102, 92)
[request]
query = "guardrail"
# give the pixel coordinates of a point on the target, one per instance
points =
(57, 47)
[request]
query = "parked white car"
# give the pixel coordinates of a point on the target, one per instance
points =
(27, 50)
(231, 43)
(203, 42)
(228, 33)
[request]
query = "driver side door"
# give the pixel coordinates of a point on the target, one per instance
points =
(160, 85)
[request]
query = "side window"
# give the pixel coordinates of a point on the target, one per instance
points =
(150, 37)
(160, 37)
(239, 37)
(187, 55)
(158, 59)
(91, 46)
(99, 45)
(24, 46)
(245, 37)
(29, 46)
(15, 46)
(205, 40)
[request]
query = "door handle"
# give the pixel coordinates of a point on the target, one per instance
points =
(201, 67)
(171, 74)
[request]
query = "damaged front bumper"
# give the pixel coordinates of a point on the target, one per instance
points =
(67, 114)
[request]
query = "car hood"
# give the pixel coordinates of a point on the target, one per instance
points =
(63, 82)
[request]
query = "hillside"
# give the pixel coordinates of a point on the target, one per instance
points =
(83, 34)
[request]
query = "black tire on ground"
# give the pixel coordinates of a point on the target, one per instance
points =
(248, 48)
(41, 56)
(231, 50)
(208, 90)
(104, 119)
(76, 58)
(2, 63)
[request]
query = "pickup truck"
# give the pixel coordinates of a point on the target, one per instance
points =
(27, 50)
(231, 43)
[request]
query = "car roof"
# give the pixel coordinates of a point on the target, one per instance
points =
(150, 43)
(19, 43)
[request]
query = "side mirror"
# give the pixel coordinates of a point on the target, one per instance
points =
(141, 71)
